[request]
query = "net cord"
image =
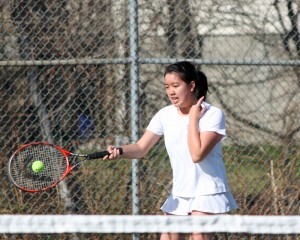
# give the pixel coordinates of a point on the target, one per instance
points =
(149, 224)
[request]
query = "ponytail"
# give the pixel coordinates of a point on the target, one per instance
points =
(201, 85)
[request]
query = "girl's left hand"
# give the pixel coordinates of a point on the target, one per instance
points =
(197, 111)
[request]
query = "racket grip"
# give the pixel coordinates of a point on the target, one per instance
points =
(97, 155)
(102, 154)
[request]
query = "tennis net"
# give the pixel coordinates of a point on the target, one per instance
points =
(141, 224)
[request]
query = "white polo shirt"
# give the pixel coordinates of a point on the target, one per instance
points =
(192, 179)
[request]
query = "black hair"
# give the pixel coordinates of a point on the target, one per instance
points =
(189, 73)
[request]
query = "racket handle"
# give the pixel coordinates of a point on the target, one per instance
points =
(97, 155)
(102, 154)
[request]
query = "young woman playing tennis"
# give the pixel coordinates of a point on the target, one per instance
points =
(192, 131)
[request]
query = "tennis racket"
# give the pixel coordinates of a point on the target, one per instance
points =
(55, 159)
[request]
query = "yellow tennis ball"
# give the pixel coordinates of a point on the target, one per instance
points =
(38, 166)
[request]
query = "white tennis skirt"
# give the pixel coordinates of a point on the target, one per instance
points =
(216, 203)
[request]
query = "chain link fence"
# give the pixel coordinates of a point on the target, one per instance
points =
(85, 74)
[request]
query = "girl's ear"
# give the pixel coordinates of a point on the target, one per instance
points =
(192, 85)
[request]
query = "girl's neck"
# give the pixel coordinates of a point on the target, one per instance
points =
(183, 111)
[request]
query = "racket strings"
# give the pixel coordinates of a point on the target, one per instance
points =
(55, 165)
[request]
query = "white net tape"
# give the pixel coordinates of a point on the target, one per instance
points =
(148, 224)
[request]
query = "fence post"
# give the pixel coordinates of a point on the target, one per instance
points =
(133, 12)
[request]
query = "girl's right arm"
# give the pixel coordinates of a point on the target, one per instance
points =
(135, 150)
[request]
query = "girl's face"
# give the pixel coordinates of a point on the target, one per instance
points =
(180, 93)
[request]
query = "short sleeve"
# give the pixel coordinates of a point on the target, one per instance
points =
(155, 125)
(213, 121)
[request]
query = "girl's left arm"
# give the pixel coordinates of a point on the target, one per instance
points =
(200, 144)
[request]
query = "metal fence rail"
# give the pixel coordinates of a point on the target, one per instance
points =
(85, 74)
